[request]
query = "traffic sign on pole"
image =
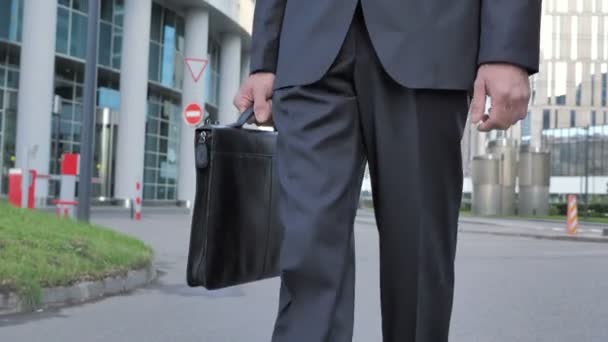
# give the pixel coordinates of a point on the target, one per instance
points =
(196, 66)
(193, 114)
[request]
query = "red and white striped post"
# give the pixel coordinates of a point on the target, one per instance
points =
(572, 219)
(137, 202)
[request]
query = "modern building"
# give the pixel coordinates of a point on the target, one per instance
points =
(569, 106)
(142, 86)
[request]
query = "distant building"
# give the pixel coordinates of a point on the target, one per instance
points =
(569, 94)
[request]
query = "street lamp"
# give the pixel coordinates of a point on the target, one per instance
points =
(88, 115)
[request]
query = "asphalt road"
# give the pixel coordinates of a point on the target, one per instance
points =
(508, 290)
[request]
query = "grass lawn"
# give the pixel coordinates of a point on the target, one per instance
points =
(39, 250)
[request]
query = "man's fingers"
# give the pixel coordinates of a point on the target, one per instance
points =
(478, 103)
(244, 98)
(241, 103)
(491, 124)
(261, 105)
(500, 115)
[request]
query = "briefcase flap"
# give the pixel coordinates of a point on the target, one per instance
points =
(224, 139)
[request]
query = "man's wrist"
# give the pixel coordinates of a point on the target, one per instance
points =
(521, 67)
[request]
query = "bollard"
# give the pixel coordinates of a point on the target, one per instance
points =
(136, 205)
(14, 187)
(572, 215)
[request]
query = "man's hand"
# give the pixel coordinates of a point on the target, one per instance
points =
(256, 91)
(509, 89)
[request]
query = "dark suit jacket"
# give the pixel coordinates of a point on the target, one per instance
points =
(434, 44)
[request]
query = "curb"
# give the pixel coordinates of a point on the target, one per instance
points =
(56, 297)
(584, 223)
(574, 238)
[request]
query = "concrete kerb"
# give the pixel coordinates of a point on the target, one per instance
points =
(11, 303)
(576, 238)
(511, 233)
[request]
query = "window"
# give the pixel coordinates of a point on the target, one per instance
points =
(72, 25)
(561, 82)
(594, 38)
(211, 77)
(155, 27)
(63, 30)
(546, 118)
(592, 86)
(593, 118)
(572, 118)
(80, 5)
(574, 38)
(578, 79)
(117, 48)
(78, 40)
(163, 127)
(555, 118)
(604, 89)
(166, 45)
(525, 126)
(107, 9)
(154, 62)
(11, 12)
(105, 44)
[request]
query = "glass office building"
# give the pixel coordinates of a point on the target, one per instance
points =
(142, 86)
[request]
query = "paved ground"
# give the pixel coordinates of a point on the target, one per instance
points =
(508, 290)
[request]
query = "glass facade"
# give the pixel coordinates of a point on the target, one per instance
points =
(212, 74)
(110, 33)
(166, 47)
(9, 85)
(163, 126)
(72, 27)
(11, 12)
(572, 148)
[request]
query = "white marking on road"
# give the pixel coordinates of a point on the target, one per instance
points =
(599, 231)
(556, 229)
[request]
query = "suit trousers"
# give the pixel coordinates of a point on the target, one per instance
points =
(411, 140)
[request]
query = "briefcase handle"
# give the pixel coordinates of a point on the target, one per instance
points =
(245, 118)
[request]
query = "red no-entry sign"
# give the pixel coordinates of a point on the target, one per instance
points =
(193, 114)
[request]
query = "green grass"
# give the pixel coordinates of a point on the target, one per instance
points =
(38, 250)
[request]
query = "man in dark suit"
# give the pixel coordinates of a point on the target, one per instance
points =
(387, 82)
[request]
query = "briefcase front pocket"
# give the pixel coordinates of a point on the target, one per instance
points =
(237, 248)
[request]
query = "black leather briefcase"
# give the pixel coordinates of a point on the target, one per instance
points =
(235, 235)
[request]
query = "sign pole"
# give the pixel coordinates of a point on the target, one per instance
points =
(88, 115)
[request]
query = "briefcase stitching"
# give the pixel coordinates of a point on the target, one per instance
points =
(270, 220)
